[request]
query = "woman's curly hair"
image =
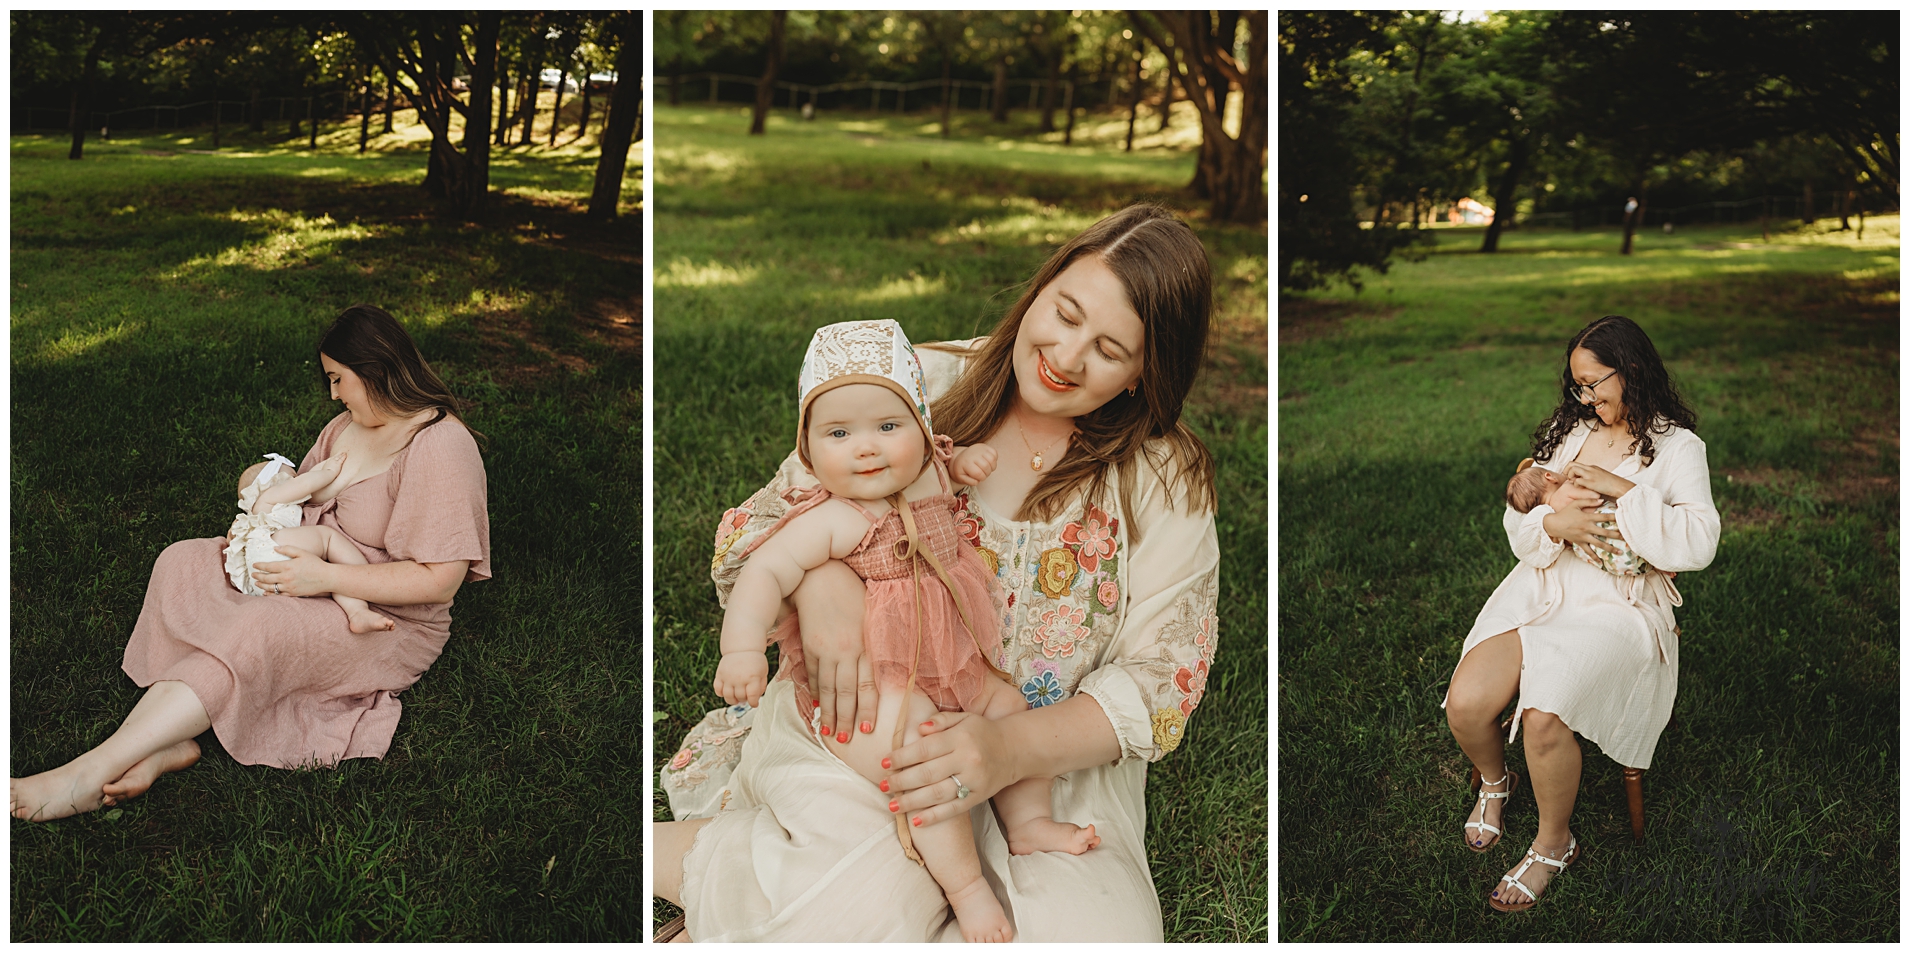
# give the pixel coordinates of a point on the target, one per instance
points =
(1620, 344)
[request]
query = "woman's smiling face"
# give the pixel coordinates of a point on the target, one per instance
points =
(1079, 343)
(1607, 399)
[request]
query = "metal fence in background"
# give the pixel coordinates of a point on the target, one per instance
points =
(1772, 207)
(880, 95)
(332, 106)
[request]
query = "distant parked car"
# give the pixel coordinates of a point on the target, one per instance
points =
(547, 79)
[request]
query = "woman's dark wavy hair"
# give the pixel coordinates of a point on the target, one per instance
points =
(1618, 343)
(378, 349)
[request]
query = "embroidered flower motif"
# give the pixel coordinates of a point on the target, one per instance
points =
(1169, 725)
(1108, 593)
(1060, 630)
(969, 525)
(1056, 573)
(1042, 690)
(992, 559)
(1092, 540)
(1011, 600)
(682, 759)
(732, 523)
(1043, 665)
(1208, 639)
(1192, 682)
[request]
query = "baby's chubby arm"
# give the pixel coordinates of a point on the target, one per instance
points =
(303, 485)
(972, 465)
(830, 531)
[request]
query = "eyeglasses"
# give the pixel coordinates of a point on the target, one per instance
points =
(1584, 391)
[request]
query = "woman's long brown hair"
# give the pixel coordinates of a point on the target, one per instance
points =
(1164, 270)
(398, 381)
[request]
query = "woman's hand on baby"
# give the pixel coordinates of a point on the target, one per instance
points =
(1577, 521)
(1598, 479)
(954, 744)
(742, 677)
(300, 573)
(972, 465)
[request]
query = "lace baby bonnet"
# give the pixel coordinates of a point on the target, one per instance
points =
(861, 352)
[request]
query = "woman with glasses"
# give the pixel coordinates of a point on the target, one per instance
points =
(1585, 652)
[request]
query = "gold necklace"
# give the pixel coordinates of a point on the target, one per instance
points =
(1022, 431)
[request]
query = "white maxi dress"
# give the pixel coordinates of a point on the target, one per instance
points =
(1118, 605)
(1601, 651)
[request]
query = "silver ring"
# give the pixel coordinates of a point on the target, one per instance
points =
(275, 588)
(961, 790)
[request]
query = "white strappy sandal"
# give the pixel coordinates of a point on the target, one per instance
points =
(1572, 853)
(1484, 795)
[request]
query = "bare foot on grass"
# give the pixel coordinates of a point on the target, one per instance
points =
(51, 795)
(979, 914)
(365, 621)
(140, 777)
(1046, 833)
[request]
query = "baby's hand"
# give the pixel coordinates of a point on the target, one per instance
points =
(331, 464)
(742, 676)
(971, 465)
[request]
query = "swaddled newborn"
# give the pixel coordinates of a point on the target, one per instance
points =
(1533, 485)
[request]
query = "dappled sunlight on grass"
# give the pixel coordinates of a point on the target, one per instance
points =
(292, 241)
(912, 286)
(682, 273)
(74, 342)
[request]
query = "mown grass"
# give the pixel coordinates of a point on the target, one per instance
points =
(1771, 805)
(761, 240)
(165, 306)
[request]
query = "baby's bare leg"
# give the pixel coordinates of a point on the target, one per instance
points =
(332, 546)
(1026, 808)
(948, 848)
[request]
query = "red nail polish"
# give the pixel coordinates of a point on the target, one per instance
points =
(842, 738)
(927, 725)
(866, 728)
(826, 731)
(885, 763)
(916, 821)
(815, 703)
(894, 806)
(884, 785)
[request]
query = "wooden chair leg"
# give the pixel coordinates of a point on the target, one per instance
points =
(1635, 799)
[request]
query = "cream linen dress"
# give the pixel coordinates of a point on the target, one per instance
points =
(800, 847)
(1601, 651)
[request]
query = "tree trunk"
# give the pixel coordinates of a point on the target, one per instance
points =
(82, 93)
(622, 123)
(1810, 210)
(474, 186)
(504, 113)
(1843, 203)
(527, 105)
(216, 117)
(945, 103)
(311, 121)
(390, 91)
(583, 121)
(1000, 97)
(557, 102)
(364, 115)
(1133, 103)
(1635, 216)
(255, 116)
(772, 61)
(1505, 200)
(1232, 167)
(1067, 107)
(1167, 96)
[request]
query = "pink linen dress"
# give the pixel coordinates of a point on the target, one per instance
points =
(283, 679)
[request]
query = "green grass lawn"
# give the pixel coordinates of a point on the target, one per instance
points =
(1771, 805)
(165, 307)
(761, 240)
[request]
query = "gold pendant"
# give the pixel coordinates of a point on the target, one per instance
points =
(1037, 464)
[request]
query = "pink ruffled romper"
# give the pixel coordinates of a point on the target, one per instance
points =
(952, 669)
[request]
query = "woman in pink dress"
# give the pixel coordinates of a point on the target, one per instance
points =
(281, 678)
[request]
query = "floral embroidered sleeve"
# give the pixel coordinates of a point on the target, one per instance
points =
(1155, 669)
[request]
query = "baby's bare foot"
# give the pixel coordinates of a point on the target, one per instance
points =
(51, 795)
(365, 621)
(1046, 833)
(139, 778)
(979, 914)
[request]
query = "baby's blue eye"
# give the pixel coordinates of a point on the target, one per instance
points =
(891, 425)
(838, 433)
